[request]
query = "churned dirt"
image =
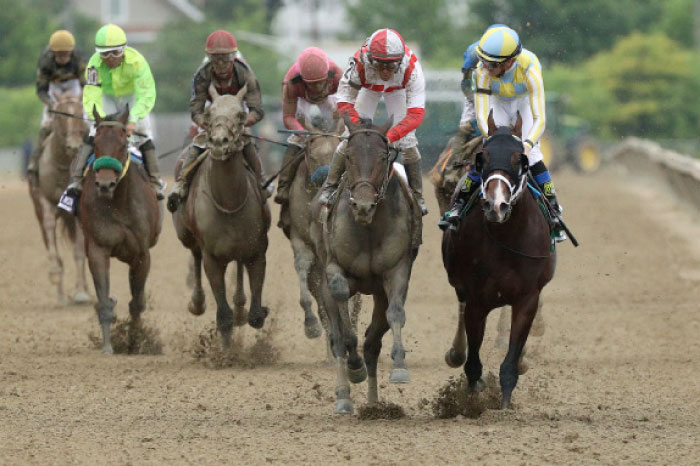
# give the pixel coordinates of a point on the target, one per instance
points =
(613, 380)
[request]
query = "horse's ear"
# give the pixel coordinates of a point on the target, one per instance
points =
(241, 94)
(479, 162)
(96, 114)
(492, 124)
(518, 129)
(348, 122)
(124, 116)
(212, 92)
(387, 126)
(524, 164)
(53, 94)
(308, 126)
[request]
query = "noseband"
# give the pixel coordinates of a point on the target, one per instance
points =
(228, 124)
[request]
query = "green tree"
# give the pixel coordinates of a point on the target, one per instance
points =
(677, 21)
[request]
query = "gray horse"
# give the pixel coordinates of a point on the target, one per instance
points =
(225, 219)
(61, 146)
(367, 245)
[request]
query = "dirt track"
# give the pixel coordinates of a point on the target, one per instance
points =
(614, 380)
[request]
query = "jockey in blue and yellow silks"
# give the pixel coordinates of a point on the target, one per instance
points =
(508, 81)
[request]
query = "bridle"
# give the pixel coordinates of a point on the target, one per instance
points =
(228, 123)
(381, 191)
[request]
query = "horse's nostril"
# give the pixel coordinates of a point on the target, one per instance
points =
(504, 206)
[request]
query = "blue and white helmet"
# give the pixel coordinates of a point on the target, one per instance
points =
(499, 44)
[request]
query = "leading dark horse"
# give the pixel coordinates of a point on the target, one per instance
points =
(502, 254)
(121, 218)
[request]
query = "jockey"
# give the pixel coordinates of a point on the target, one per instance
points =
(229, 74)
(383, 67)
(312, 80)
(61, 71)
(117, 76)
(508, 81)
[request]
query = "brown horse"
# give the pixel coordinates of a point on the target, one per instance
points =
(367, 245)
(225, 219)
(501, 254)
(61, 146)
(121, 218)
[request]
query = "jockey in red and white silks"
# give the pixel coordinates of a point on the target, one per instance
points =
(384, 67)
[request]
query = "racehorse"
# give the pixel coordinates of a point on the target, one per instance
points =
(121, 218)
(367, 245)
(60, 148)
(501, 254)
(225, 219)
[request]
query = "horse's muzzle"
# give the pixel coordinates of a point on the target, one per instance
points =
(496, 212)
(363, 212)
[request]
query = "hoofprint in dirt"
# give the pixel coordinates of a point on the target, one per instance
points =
(613, 379)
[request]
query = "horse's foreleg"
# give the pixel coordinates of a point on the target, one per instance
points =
(240, 316)
(81, 293)
(396, 287)
(340, 292)
(521, 321)
(474, 325)
(48, 223)
(216, 271)
(196, 305)
(98, 261)
(303, 261)
(256, 279)
(503, 327)
(373, 345)
(457, 355)
(138, 273)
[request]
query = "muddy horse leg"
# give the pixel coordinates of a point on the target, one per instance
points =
(523, 315)
(256, 279)
(396, 287)
(81, 295)
(98, 261)
(457, 355)
(216, 271)
(48, 223)
(373, 345)
(196, 305)
(475, 325)
(303, 261)
(138, 273)
(240, 316)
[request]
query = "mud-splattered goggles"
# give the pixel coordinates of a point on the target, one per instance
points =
(114, 53)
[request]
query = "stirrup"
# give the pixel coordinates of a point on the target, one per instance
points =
(560, 236)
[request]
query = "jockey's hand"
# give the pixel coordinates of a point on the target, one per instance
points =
(130, 128)
(250, 120)
(527, 148)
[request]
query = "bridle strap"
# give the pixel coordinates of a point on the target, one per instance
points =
(515, 191)
(368, 130)
(111, 123)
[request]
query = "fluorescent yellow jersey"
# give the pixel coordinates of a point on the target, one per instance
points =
(523, 78)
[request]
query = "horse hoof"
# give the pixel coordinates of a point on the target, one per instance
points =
(399, 376)
(257, 320)
(312, 328)
(455, 360)
(505, 402)
(478, 386)
(81, 297)
(196, 309)
(357, 375)
(343, 407)
(108, 350)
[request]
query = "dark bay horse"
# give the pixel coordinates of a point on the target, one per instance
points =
(61, 146)
(501, 254)
(367, 245)
(121, 218)
(225, 219)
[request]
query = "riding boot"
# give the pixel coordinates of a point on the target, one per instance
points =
(415, 182)
(33, 165)
(150, 160)
(253, 161)
(335, 171)
(452, 217)
(544, 181)
(179, 191)
(75, 188)
(287, 174)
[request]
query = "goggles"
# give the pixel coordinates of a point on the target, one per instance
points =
(491, 65)
(114, 53)
(221, 58)
(386, 65)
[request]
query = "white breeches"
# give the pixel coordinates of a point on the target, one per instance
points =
(366, 106)
(112, 104)
(505, 112)
(58, 88)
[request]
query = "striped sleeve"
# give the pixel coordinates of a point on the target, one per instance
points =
(535, 86)
(481, 100)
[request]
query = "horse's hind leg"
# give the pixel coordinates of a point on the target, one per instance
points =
(138, 273)
(48, 223)
(81, 294)
(256, 279)
(373, 345)
(98, 260)
(475, 326)
(457, 354)
(523, 315)
(216, 271)
(196, 305)
(396, 287)
(303, 261)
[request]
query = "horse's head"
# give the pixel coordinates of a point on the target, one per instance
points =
(367, 167)
(225, 117)
(321, 144)
(503, 168)
(72, 130)
(110, 151)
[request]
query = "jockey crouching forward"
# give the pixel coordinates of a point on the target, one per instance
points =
(228, 73)
(117, 76)
(508, 81)
(61, 71)
(383, 67)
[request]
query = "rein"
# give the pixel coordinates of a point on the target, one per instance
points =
(508, 248)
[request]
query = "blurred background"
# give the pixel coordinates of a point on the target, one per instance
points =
(611, 69)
